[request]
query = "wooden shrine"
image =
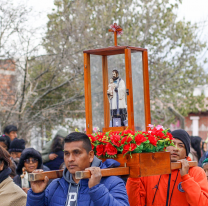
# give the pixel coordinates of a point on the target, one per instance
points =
(132, 64)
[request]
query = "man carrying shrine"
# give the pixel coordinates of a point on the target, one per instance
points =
(183, 187)
(69, 191)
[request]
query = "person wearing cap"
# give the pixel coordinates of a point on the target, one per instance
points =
(11, 131)
(205, 167)
(16, 148)
(183, 187)
(47, 154)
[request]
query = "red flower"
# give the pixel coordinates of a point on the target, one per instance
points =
(170, 136)
(139, 139)
(129, 147)
(92, 146)
(100, 149)
(115, 133)
(115, 140)
(126, 139)
(110, 149)
(102, 138)
(126, 132)
(152, 140)
(92, 138)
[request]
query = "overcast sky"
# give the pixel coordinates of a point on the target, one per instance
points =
(190, 10)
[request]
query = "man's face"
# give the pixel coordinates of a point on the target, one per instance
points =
(15, 155)
(76, 157)
(205, 167)
(178, 152)
(12, 135)
(114, 75)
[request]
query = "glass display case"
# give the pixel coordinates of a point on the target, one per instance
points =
(116, 89)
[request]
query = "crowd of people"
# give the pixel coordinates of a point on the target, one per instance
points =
(72, 152)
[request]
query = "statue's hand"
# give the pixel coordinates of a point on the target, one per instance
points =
(116, 89)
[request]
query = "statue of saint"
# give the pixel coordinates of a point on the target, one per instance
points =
(117, 97)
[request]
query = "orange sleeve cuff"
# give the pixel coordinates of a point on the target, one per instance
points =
(185, 177)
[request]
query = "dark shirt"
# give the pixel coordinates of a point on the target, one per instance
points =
(56, 163)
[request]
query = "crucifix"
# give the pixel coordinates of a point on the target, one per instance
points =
(117, 31)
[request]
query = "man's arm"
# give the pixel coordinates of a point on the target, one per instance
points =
(195, 186)
(136, 191)
(115, 195)
(37, 194)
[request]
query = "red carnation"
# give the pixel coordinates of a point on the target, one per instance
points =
(126, 139)
(92, 146)
(126, 132)
(102, 138)
(111, 150)
(100, 150)
(152, 140)
(92, 138)
(170, 136)
(115, 140)
(129, 147)
(139, 139)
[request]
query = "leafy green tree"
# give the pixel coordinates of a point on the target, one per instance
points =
(173, 45)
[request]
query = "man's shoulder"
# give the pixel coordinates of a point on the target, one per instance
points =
(111, 180)
(193, 171)
(56, 183)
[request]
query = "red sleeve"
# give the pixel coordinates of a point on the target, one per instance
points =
(136, 191)
(196, 187)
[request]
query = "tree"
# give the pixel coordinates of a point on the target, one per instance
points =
(44, 93)
(173, 45)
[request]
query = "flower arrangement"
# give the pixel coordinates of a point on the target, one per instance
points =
(110, 144)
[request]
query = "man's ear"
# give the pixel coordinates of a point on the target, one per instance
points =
(91, 155)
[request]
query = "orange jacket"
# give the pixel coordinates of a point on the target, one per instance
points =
(169, 190)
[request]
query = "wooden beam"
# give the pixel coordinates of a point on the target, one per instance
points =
(41, 176)
(130, 171)
(105, 172)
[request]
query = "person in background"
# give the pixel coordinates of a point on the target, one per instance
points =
(204, 147)
(16, 148)
(56, 148)
(11, 131)
(205, 167)
(95, 191)
(30, 160)
(5, 141)
(183, 187)
(195, 151)
(46, 153)
(10, 193)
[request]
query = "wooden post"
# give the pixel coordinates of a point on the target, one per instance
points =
(88, 101)
(129, 86)
(115, 38)
(105, 88)
(146, 89)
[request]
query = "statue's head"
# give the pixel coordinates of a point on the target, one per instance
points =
(115, 74)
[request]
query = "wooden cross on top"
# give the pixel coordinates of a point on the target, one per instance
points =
(117, 31)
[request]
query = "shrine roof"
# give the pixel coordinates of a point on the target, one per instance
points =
(113, 50)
